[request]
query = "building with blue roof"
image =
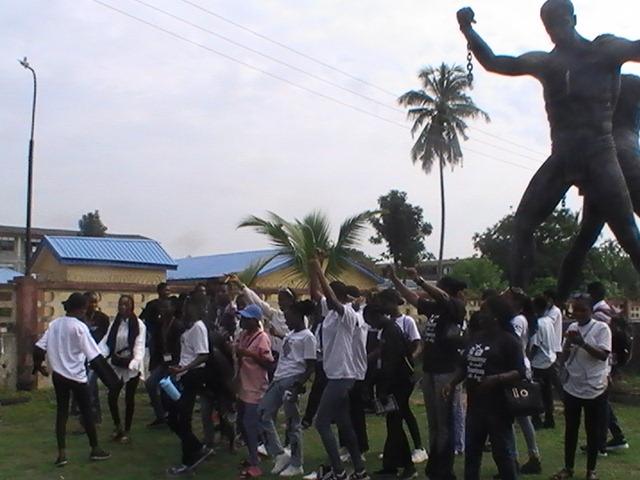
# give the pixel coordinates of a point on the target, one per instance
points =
(276, 272)
(102, 260)
(8, 274)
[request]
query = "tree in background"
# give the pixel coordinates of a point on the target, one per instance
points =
(606, 262)
(91, 225)
(552, 239)
(439, 113)
(479, 273)
(402, 227)
(298, 240)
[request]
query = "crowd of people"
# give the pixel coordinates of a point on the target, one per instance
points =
(347, 355)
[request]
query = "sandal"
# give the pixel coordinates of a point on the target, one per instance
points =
(563, 474)
(251, 472)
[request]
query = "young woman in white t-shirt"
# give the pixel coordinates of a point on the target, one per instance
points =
(192, 376)
(68, 345)
(586, 351)
(344, 334)
(124, 345)
(295, 366)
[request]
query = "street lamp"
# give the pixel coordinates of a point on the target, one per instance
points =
(27, 255)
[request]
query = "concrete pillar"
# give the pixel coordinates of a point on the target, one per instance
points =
(26, 330)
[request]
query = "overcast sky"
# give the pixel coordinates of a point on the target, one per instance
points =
(172, 141)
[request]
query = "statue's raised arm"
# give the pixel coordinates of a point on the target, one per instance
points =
(528, 64)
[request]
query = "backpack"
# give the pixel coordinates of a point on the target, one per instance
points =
(621, 340)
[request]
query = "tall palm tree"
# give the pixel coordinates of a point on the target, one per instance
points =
(298, 240)
(439, 112)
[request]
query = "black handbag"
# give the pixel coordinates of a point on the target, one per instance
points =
(122, 358)
(524, 398)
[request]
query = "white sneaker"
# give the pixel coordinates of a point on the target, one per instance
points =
(311, 476)
(287, 450)
(282, 462)
(262, 450)
(419, 455)
(292, 471)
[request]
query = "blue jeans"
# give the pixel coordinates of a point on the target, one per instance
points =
(250, 428)
(334, 408)
(153, 389)
(459, 416)
(268, 409)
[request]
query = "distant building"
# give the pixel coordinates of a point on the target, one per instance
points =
(277, 273)
(13, 242)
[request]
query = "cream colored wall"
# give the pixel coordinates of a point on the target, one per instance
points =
(98, 274)
(47, 268)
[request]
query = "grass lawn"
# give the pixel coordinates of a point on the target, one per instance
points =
(28, 449)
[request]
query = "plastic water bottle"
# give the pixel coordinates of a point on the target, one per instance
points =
(170, 389)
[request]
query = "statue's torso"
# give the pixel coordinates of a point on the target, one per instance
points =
(581, 89)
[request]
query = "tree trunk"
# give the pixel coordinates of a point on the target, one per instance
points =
(442, 217)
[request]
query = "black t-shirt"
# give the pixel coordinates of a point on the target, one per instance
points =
(490, 354)
(441, 339)
(395, 365)
(98, 325)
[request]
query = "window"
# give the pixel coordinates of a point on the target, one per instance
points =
(7, 244)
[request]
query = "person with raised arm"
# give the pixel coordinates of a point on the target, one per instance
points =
(344, 334)
(442, 339)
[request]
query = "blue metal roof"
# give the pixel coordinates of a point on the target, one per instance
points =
(121, 252)
(7, 274)
(211, 266)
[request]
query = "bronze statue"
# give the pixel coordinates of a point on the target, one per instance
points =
(626, 133)
(581, 83)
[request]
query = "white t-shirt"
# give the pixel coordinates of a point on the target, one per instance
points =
(194, 342)
(409, 327)
(587, 374)
(521, 327)
(555, 314)
(344, 339)
(297, 348)
(69, 344)
(603, 311)
(544, 339)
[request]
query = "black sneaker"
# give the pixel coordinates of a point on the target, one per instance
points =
(325, 473)
(97, 454)
(205, 452)
(532, 467)
(361, 475)
(61, 461)
(601, 453)
(158, 422)
(617, 444)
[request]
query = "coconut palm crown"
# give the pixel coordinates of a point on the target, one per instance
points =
(300, 239)
(439, 112)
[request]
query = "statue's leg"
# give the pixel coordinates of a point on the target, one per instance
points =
(630, 164)
(546, 189)
(590, 228)
(610, 193)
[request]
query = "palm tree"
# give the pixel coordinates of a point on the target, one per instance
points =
(299, 240)
(439, 113)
